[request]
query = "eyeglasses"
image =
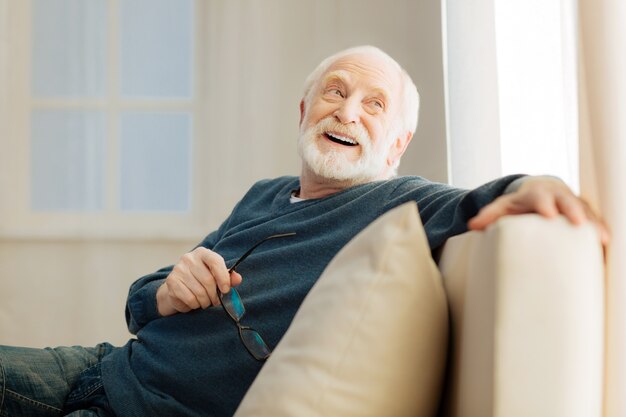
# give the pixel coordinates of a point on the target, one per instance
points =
(233, 305)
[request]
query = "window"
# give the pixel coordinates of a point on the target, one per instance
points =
(103, 110)
(511, 89)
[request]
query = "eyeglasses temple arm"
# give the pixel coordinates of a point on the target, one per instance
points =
(245, 255)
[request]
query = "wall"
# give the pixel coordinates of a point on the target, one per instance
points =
(60, 292)
(65, 291)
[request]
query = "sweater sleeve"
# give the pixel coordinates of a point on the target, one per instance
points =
(141, 305)
(445, 210)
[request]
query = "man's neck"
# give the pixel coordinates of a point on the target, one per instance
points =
(313, 186)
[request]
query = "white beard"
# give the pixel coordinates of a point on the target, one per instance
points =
(333, 163)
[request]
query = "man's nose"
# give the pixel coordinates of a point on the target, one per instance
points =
(348, 111)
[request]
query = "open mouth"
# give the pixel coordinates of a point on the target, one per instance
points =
(339, 139)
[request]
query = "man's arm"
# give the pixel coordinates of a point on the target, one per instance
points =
(547, 196)
(148, 299)
(186, 286)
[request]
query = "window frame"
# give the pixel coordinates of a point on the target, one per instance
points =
(17, 218)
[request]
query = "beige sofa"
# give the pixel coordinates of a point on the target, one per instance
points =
(526, 305)
(509, 324)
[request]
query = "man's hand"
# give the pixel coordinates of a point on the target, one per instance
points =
(543, 195)
(193, 283)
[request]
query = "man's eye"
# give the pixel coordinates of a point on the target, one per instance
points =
(335, 91)
(379, 105)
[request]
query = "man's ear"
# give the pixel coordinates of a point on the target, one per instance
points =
(301, 112)
(398, 147)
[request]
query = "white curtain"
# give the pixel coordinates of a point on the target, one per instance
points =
(603, 166)
(551, 76)
(511, 89)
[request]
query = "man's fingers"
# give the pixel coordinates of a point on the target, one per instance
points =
(207, 279)
(194, 282)
(513, 204)
(235, 279)
(489, 214)
(217, 267)
(182, 296)
(547, 197)
(198, 279)
(578, 211)
(601, 227)
(544, 204)
(195, 277)
(572, 208)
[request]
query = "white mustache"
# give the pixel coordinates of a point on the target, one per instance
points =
(353, 130)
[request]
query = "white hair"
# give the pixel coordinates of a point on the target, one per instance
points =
(410, 96)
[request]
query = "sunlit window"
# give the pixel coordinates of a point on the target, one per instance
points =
(511, 89)
(536, 58)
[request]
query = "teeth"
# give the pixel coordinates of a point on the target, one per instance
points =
(342, 138)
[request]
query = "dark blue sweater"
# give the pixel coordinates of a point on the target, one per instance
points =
(194, 364)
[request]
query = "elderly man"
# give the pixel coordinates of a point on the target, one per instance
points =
(358, 114)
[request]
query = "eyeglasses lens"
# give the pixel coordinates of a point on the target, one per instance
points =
(255, 344)
(233, 304)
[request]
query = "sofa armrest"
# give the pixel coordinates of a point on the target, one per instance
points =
(527, 320)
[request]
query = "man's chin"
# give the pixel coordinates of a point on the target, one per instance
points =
(341, 175)
(334, 167)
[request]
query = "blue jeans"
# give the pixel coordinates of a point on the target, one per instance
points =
(62, 381)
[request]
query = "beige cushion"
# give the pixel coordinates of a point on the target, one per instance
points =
(370, 339)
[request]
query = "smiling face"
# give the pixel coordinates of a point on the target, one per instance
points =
(350, 127)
